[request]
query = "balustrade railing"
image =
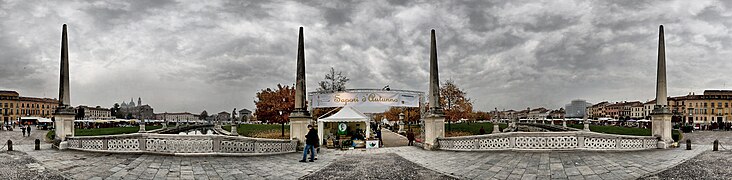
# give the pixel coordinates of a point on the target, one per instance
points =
(174, 144)
(572, 140)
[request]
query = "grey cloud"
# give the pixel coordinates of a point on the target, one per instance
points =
(216, 55)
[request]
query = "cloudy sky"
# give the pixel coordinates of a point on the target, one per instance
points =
(215, 55)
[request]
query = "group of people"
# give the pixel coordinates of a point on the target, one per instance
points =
(26, 130)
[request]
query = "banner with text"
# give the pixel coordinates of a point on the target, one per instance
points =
(385, 98)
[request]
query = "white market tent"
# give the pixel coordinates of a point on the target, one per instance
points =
(346, 114)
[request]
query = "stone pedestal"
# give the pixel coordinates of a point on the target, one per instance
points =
(63, 145)
(165, 125)
(496, 129)
(661, 126)
(299, 122)
(564, 123)
(233, 130)
(401, 127)
(434, 127)
(64, 122)
(587, 126)
(142, 127)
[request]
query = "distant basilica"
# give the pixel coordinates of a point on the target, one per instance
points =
(136, 111)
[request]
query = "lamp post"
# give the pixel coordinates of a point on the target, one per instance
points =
(401, 122)
(282, 122)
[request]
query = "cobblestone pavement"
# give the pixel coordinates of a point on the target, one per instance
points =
(375, 166)
(18, 165)
(708, 165)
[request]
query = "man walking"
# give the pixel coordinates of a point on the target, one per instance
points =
(410, 137)
(29, 129)
(23, 129)
(310, 140)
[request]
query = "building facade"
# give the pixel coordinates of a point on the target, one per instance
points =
(576, 109)
(93, 113)
(245, 115)
(177, 117)
(714, 106)
(13, 106)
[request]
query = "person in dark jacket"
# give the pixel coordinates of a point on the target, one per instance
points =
(29, 129)
(410, 137)
(481, 131)
(311, 139)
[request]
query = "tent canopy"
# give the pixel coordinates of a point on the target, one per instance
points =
(346, 114)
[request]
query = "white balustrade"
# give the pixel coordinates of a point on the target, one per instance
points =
(182, 144)
(572, 140)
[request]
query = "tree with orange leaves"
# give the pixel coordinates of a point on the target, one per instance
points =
(455, 103)
(275, 105)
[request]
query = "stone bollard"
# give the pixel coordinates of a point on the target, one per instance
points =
(10, 145)
(715, 148)
(496, 129)
(688, 144)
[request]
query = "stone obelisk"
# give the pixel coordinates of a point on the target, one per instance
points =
(661, 115)
(300, 117)
(434, 122)
(64, 113)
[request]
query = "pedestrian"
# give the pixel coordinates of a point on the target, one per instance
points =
(29, 130)
(410, 137)
(23, 129)
(482, 130)
(378, 135)
(310, 140)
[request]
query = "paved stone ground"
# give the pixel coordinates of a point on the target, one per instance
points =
(707, 137)
(551, 165)
(375, 166)
(392, 139)
(464, 165)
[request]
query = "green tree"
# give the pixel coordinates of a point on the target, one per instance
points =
(203, 115)
(334, 81)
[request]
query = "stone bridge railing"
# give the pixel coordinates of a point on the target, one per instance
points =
(173, 144)
(572, 140)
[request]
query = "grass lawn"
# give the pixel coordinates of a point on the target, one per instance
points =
(473, 128)
(249, 130)
(623, 130)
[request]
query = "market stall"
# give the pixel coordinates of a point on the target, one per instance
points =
(346, 124)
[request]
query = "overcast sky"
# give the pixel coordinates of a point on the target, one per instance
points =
(215, 55)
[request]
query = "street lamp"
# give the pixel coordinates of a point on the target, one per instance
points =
(401, 122)
(282, 122)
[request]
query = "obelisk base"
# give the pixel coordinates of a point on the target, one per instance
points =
(64, 122)
(496, 129)
(434, 128)
(299, 122)
(661, 127)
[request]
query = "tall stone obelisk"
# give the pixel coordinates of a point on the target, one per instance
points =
(661, 115)
(64, 113)
(434, 122)
(300, 117)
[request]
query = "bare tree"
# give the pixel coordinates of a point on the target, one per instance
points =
(334, 81)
